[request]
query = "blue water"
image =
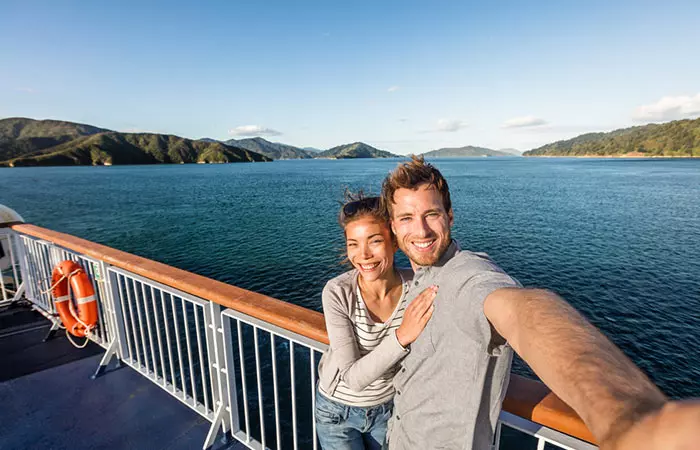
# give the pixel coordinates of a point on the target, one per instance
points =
(619, 239)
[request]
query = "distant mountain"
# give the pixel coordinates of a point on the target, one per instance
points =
(78, 144)
(511, 151)
(208, 140)
(312, 149)
(270, 149)
(469, 150)
(354, 150)
(677, 138)
(20, 136)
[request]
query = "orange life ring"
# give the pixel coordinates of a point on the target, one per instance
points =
(69, 275)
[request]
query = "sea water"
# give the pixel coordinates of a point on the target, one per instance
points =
(617, 238)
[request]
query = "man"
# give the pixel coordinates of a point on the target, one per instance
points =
(451, 385)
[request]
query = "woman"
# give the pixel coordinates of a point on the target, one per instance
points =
(369, 328)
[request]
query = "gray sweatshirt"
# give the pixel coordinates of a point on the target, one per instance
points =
(343, 360)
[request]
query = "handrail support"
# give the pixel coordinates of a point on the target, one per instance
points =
(107, 358)
(20, 292)
(55, 326)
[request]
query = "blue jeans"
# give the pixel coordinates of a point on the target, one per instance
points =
(343, 427)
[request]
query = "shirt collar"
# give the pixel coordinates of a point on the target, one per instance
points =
(451, 251)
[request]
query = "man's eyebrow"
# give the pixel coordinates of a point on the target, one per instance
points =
(404, 214)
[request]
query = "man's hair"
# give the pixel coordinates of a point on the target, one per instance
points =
(410, 175)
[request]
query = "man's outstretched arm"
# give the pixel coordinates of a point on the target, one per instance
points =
(619, 404)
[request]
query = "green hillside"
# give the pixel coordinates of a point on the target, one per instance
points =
(467, 151)
(678, 138)
(20, 136)
(27, 142)
(272, 150)
(354, 150)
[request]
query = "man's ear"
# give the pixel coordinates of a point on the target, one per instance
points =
(393, 228)
(451, 215)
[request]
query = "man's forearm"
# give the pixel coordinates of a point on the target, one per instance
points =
(574, 359)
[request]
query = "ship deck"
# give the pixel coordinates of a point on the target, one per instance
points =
(50, 401)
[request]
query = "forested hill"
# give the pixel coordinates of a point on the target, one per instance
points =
(272, 150)
(678, 138)
(20, 136)
(354, 150)
(28, 142)
(467, 151)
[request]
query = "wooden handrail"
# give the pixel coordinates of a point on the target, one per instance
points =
(526, 398)
(286, 315)
(532, 400)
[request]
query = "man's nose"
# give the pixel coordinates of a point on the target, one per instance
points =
(422, 228)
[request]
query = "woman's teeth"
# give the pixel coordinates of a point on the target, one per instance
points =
(368, 266)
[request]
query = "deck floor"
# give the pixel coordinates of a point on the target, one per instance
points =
(49, 401)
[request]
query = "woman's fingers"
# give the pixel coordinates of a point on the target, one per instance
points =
(427, 315)
(424, 300)
(422, 306)
(416, 316)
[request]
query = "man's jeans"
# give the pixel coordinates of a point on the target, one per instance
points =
(342, 427)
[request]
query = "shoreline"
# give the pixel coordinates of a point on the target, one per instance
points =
(624, 156)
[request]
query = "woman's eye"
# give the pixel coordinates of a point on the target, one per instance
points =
(352, 245)
(377, 241)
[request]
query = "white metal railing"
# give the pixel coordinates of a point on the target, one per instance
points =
(268, 358)
(10, 272)
(164, 335)
(252, 380)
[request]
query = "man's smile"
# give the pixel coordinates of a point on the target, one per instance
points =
(424, 246)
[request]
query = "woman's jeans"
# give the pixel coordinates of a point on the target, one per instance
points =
(342, 427)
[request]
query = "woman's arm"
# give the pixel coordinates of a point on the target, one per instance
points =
(358, 371)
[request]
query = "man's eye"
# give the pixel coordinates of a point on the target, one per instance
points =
(404, 219)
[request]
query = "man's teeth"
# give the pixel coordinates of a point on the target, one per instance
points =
(368, 266)
(423, 244)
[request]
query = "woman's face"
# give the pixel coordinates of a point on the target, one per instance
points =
(370, 247)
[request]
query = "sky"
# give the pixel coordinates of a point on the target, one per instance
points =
(403, 76)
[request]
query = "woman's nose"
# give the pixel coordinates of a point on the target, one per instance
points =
(366, 252)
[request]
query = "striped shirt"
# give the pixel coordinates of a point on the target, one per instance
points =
(369, 334)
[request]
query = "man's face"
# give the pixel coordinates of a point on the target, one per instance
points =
(421, 224)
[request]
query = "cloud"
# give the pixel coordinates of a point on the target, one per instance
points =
(28, 90)
(393, 89)
(524, 121)
(253, 130)
(668, 108)
(450, 125)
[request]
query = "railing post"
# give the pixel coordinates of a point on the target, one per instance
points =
(115, 332)
(30, 284)
(497, 436)
(224, 395)
(119, 327)
(24, 268)
(16, 259)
